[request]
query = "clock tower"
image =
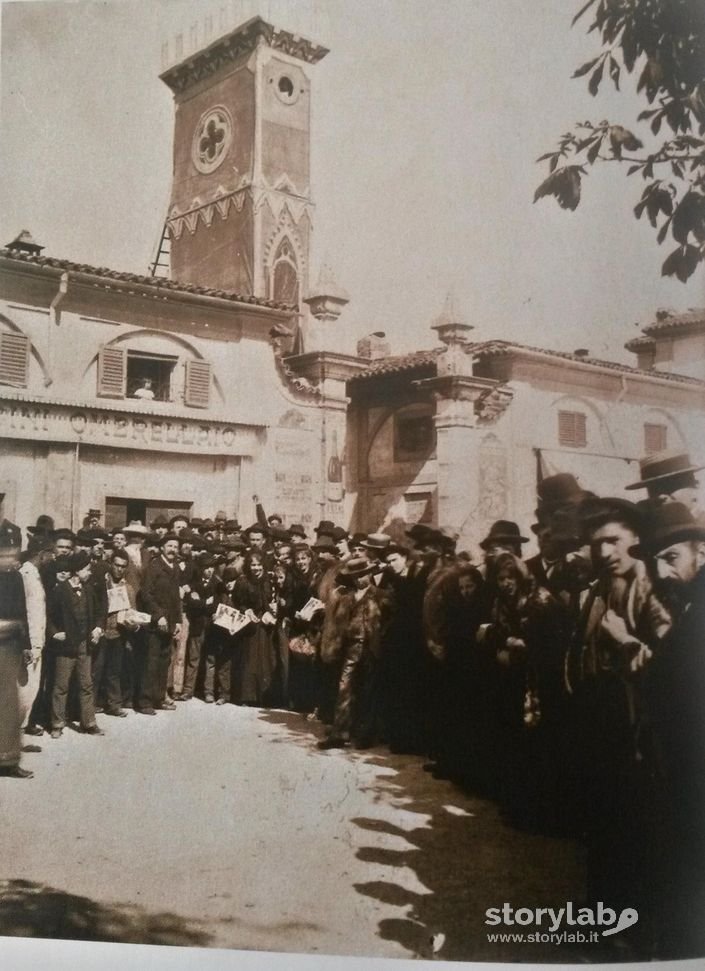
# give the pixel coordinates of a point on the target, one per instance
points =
(240, 212)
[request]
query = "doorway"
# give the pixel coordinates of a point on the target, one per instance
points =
(119, 511)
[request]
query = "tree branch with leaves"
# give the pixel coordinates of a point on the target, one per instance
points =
(663, 42)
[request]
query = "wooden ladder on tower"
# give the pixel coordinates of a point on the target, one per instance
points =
(161, 264)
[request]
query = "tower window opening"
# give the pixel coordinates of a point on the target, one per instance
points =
(286, 86)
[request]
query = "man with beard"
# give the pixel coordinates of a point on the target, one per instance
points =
(673, 545)
(620, 625)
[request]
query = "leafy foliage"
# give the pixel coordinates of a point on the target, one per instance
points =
(661, 42)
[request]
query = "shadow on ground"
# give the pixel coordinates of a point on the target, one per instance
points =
(464, 855)
(33, 910)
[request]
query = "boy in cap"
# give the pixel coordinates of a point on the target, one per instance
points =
(73, 631)
(621, 623)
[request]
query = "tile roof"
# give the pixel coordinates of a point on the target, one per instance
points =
(399, 363)
(498, 348)
(636, 342)
(153, 282)
(666, 320)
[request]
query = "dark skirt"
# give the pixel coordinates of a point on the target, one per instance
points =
(256, 663)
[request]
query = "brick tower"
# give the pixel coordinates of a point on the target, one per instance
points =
(240, 210)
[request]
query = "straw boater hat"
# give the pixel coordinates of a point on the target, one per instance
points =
(665, 525)
(135, 528)
(377, 542)
(661, 466)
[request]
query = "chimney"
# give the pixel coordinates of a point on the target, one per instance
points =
(581, 352)
(23, 243)
(374, 347)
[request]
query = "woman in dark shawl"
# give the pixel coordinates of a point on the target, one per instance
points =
(253, 594)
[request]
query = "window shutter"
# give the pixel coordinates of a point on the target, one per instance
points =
(572, 429)
(14, 359)
(655, 438)
(112, 372)
(197, 390)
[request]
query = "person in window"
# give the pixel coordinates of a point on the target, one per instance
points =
(145, 390)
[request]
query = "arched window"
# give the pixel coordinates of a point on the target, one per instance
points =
(285, 274)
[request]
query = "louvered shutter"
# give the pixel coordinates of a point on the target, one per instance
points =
(112, 372)
(14, 359)
(572, 429)
(197, 390)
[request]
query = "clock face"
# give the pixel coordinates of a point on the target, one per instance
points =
(211, 139)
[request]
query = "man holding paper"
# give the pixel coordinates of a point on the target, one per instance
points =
(121, 619)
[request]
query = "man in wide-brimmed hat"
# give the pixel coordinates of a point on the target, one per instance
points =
(673, 544)
(44, 526)
(670, 477)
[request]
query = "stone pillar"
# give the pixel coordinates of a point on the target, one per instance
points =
(458, 439)
(456, 450)
(63, 472)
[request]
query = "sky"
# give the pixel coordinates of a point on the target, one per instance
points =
(427, 120)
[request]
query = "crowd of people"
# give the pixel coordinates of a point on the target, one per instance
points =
(568, 687)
